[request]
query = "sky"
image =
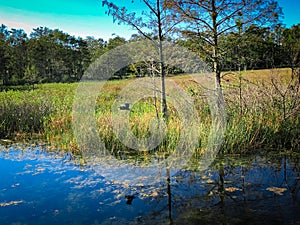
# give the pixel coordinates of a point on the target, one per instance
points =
(87, 17)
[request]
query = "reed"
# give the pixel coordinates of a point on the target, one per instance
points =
(263, 112)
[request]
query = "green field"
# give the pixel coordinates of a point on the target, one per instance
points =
(263, 112)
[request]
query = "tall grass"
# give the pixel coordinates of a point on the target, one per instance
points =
(265, 115)
(23, 114)
(262, 109)
(28, 114)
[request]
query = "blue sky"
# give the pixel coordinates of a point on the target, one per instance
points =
(87, 17)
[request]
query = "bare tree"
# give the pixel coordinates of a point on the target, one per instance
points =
(208, 20)
(155, 23)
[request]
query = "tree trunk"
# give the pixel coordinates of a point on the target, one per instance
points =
(216, 62)
(214, 15)
(6, 79)
(164, 108)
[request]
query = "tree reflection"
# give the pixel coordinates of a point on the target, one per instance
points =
(233, 191)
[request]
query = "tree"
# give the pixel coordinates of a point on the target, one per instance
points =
(154, 24)
(291, 45)
(31, 75)
(96, 47)
(58, 56)
(255, 47)
(208, 20)
(83, 57)
(39, 47)
(115, 42)
(18, 59)
(4, 35)
(122, 56)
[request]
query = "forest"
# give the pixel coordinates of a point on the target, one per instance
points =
(46, 55)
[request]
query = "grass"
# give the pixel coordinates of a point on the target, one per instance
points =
(263, 110)
(30, 114)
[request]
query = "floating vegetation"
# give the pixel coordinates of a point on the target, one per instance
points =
(276, 190)
(232, 189)
(5, 204)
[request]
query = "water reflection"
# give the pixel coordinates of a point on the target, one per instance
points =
(243, 191)
(37, 187)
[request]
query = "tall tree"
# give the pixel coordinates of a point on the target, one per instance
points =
(96, 47)
(291, 43)
(255, 47)
(4, 48)
(122, 56)
(208, 20)
(154, 24)
(39, 51)
(18, 55)
(58, 56)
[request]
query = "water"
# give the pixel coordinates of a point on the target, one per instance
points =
(37, 187)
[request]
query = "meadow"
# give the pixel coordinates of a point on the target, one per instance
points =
(263, 114)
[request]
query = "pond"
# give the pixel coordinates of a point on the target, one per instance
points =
(38, 187)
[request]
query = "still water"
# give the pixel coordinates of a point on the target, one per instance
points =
(38, 187)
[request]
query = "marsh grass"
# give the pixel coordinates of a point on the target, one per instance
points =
(23, 114)
(262, 112)
(266, 115)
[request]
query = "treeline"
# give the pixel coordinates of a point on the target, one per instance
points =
(255, 48)
(47, 55)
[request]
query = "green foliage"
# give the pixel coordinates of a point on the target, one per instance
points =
(31, 74)
(291, 45)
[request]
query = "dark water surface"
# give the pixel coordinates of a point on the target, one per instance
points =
(37, 187)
